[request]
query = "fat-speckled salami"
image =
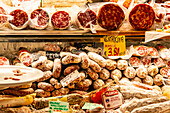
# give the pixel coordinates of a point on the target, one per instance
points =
(20, 18)
(110, 16)
(4, 61)
(142, 17)
(146, 61)
(140, 51)
(3, 19)
(165, 72)
(153, 52)
(135, 61)
(159, 62)
(60, 20)
(39, 19)
(87, 17)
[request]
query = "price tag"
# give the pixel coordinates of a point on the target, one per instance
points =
(114, 45)
(58, 107)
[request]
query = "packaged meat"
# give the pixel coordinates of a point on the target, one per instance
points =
(51, 47)
(146, 61)
(158, 80)
(19, 92)
(135, 61)
(84, 60)
(159, 62)
(60, 20)
(96, 67)
(136, 79)
(152, 70)
(130, 72)
(97, 58)
(46, 76)
(45, 86)
(93, 75)
(110, 16)
(57, 68)
(42, 93)
(104, 74)
(116, 73)
(71, 58)
(141, 72)
(153, 52)
(98, 84)
(140, 50)
(20, 19)
(4, 61)
(3, 18)
(142, 17)
(70, 69)
(39, 19)
(148, 80)
(122, 64)
(165, 72)
(111, 64)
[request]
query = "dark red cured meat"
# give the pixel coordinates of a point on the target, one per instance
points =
(4, 61)
(142, 17)
(135, 61)
(20, 17)
(159, 62)
(168, 64)
(60, 20)
(3, 19)
(43, 17)
(141, 50)
(165, 72)
(110, 16)
(86, 18)
(146, 61)
(153, 52)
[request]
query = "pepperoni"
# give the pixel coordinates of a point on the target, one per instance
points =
(135, 62)
(3, 19)
(165, 72)
(159, 62)
(142, 17)
(86, 18)
(60, 20)
(110, 16)
(4, 61)
(20, 17)
(41, 16)
(146, 61)
(153, 52)
(142, 51)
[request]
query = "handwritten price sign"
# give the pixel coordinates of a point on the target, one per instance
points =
(114, 45)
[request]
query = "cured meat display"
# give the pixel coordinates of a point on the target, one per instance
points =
(60, 20)
(110, 16)
(39, 19)
(3, 19)
(142, 17)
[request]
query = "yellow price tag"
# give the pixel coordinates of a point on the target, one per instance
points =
(114, 45)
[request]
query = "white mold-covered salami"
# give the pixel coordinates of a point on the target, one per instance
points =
(111, 64)
(84, 60)
(104, 74)
(152, 70)
(96, 67)
(130, 72)
(57, 68)
(122, 64)
(141, 72)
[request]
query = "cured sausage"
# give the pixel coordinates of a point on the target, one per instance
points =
(4, 61)
(116, 73)
(3, 19)
(95, 66)
(92, 74)
(148, 80)
(141, 72)
(53, 81)
(42, 93)
(135, 61)
(104, 74)
(153, 52)
(45, 86)
(110, 16)
(152, 70)
(146, 61)
(87, 17)
(140, 51)
(71, 58)
(165, 72)
(137, 79)
(20, 18)
(111, 64)
(52, 47)
(70, 69)
(57, 68)
(60, 20)
(164, 53)
(142, 17)
(158, 80)
(159, 62)
(98, 84)
(122, 64)
(84, 60)
(130, 72)
(39, 19)
(46, 76)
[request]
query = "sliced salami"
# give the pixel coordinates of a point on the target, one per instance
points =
(140, 51)
(159, 62)
(39, 19)
(60, 20)
(142, 17)
(4, 61)
(146, 61)
(135, 61)
(3, 19)
(110, 16)
(20, 19)
(153, 52)
(165, 72)
(87, 17)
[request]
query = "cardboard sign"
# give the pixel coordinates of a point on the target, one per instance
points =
(58, 107)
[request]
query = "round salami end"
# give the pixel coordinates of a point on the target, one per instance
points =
(39, 19)
(135, 61)
(110, 16)
(141, 72)
(146, 61)
(3, 19)
(60, 20)
(4, 61)
(142, 17)
(164, 53)
(141, 51)
(152, 70)
(153, 52)
(130, 72)
(85, 18)
(165, 72)
(20, 18)
(159, 62)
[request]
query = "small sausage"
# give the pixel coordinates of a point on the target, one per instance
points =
(70, 69)
(116, 73)
(45, 86)
(57, 68)
(84, 60)
(141, 72)
(130, 72)
(57, 86)
(153, 70)
(98, 84)
(104, 74)
(137, 79)
(64, 91)
(85, 83)
(122, 64)
(158, 80)
(53, 81)
(92, 74)
(148, 80)
(56, 93)
(71, 58)
(46, 76)
(42, 93)
(111, 64)
(95, 66)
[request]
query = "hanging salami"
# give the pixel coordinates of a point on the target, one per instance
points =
(3, 19)
(140, 51)
(159, 62)
(142, 17)
(60, 20)
(135, 61)
(20, 19)
(146, 61)
(110, 16)
(39, 19)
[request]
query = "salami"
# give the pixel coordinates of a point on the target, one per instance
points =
(146, 61)
(116, 73)
(60, 20)
(140, 51)
(110, 16)
(142, 17)
(158, 80)
(130, 72)
(87, 17)
(168, 64)
(141, 72)
(159, 62)
(122, 64)
(4, 61)
(20, 19)
(152, 70)
(148, 80)
(135, 61)
(165, 72)
(39, 19)
(164, 53)
(3, 19)
(153, 52)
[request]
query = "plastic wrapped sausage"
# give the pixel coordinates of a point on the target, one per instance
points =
(97, 58)
(71, 58)
(122, 64)
(130, 72)
(46, 76)
(152, 70)
(141, 72)
(45, 86)
(70, 69)
(148, 80)
(42, 93)
(84, 60)
(104, 74)
(93, 75)
(111, 64)
(98, 84)
(57, 68)
(158, 80)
